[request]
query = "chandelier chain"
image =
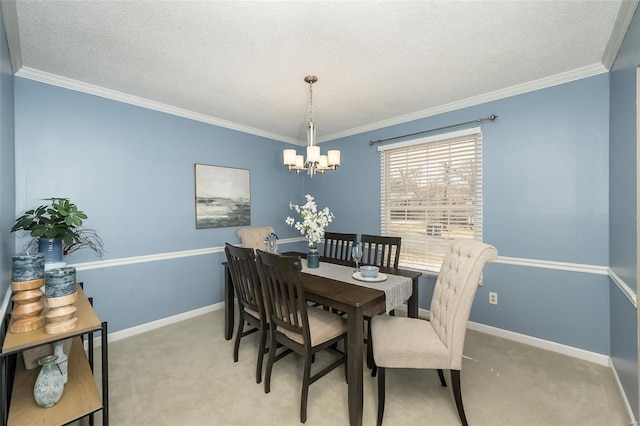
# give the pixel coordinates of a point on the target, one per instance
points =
(311, 101)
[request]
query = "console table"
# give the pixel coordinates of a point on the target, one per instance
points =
(80, 398)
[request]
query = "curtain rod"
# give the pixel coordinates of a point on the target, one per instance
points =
(479, 120)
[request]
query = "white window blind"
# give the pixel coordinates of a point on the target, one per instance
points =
(431, 192)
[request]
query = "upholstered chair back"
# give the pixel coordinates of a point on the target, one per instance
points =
(255, 237)
(454, 292)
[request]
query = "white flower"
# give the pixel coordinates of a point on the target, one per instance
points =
(313, 221)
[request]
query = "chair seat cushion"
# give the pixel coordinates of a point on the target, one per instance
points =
(253, 313)
(323, 326)
(400, 342)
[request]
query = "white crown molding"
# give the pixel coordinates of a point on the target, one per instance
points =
(554, 80)
(67, 83)
(623, 20)
(10, 19)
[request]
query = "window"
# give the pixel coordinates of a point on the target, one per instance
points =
(431, 193)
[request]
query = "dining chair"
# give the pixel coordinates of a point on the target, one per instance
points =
(304, 329)
(337, 245)
(255, 237)
(380, 250)
(251, 308)
(400, 342)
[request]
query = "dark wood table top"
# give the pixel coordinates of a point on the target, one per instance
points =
(393, 271)
(340, 294)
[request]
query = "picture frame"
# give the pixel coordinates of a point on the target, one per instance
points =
(222, 196)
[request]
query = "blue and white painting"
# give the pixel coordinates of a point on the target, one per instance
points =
(223, 196)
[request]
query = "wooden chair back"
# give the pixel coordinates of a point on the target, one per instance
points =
(282, 286)
(381, 251)
(337, 245)
(245, 278)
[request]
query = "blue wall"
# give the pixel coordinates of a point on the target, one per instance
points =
(132, 171)
(7, 168)
(545, 189)
(623, 210)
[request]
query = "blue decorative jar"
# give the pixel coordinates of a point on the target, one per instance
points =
(60, 282)
(313, 259)
(27, 267)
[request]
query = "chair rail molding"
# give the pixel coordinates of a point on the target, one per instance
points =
(504, 260)
(624, 288)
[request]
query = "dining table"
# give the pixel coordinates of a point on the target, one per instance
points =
(335, 288)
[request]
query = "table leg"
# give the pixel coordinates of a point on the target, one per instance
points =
(354, 368)
(228, 304)
(412, 304)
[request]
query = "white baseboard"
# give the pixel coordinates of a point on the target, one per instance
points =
(129, 332)
(632, 417)
(582, 354)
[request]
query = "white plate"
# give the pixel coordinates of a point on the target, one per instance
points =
(380, 277)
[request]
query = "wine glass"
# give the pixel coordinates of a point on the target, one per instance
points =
(356, 253)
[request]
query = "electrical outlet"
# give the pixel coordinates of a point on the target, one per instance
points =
(493, 298)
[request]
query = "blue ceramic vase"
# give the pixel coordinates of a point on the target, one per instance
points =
(313, 259)
(52, 250)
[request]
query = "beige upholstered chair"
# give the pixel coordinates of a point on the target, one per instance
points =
(255, 237)
(400, 342)
(304, 329)
(246, 284)
(378, 250)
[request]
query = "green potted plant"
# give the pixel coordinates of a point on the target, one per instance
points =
(56, 228)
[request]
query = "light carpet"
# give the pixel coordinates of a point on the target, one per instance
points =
(184, 374)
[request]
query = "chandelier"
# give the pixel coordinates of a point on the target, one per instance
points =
(314, 163)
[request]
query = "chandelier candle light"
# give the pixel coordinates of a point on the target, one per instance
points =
(312, 226)
(314, 163)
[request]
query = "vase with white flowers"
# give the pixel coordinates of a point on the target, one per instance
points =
(311, 225)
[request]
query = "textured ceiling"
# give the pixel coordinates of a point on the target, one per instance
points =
(241, 64)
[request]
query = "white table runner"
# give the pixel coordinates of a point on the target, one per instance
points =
(397, 288)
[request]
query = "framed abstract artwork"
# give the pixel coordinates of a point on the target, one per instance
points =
(223, 196)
